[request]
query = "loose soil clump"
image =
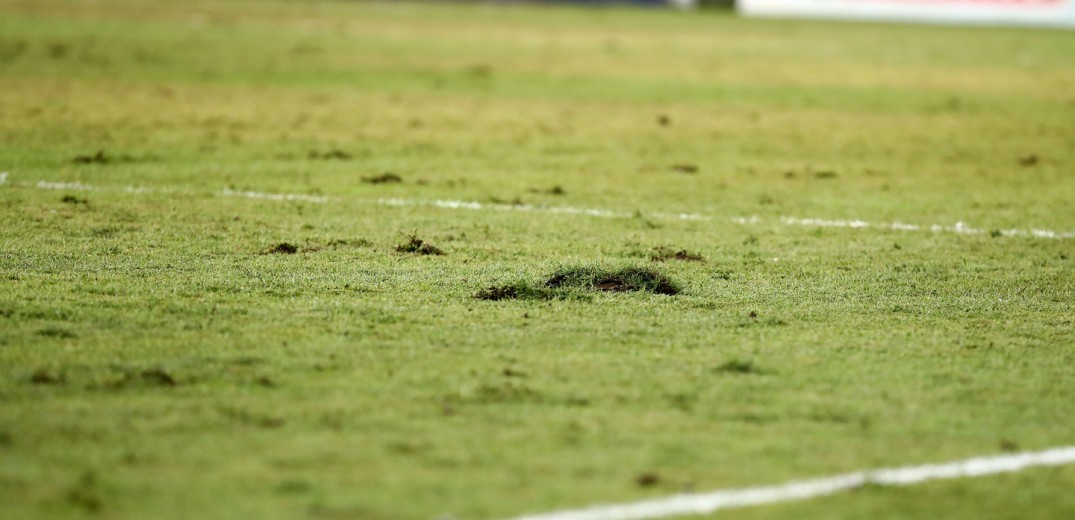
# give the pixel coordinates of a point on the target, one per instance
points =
(384, 178)
(97, 158)
(283, 248)
(418, 246)
(577, 281)
(663, 254)
(621, 280)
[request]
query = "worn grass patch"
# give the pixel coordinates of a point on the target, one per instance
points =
(574, 281)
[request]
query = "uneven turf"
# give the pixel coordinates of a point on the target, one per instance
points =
(220, 294)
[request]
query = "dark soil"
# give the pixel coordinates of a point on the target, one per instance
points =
(158, 377)
(97, 158)
(685, 168)
(555, 190)
(283, 248)
(741, 367)
(663, 254)
(418, 246)
(71, 199)
(384, 178)
(43, 376)
(517, 201)
(648, 479)
(622, 280)
(497, 293)
(330, 155)
(576, 282)
(348, 242)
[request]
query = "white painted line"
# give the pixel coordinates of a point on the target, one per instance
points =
(705, 503)
(958, 227)
(274, 196)
(3, 177)
(477, 206)
(45, 185)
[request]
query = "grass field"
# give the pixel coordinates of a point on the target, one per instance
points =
(204, 314)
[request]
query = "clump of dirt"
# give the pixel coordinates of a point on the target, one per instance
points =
(44, 376)
(663, 254)
(648, 479)
(1028, 160)
(283, 248)
(498, 292)
(335, 154)
(555, 190)
(71, 199)
(825, 174)
(56, 332)
(384, 178)
(741, 367)
(102, 158)
(418, 246)
(576, 282)
(348, 242)
(685, 168)
(158, 376)
(621, 280)
(97, 158)
(149, 376)
(517, 201)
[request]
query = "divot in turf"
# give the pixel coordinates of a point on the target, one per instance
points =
(578, 281)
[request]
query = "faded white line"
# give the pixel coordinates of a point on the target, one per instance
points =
(274, 196)
(705, 503)
(957, 228)
(45, 185)
(477, 206)
(3, 177)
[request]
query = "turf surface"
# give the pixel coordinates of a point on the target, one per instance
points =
(174, 346)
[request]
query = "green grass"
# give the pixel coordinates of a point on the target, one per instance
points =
(163, 355)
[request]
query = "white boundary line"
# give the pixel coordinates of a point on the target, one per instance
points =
(705, 503)
(957, 228)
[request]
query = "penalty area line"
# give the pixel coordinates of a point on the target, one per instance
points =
(705, 503)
